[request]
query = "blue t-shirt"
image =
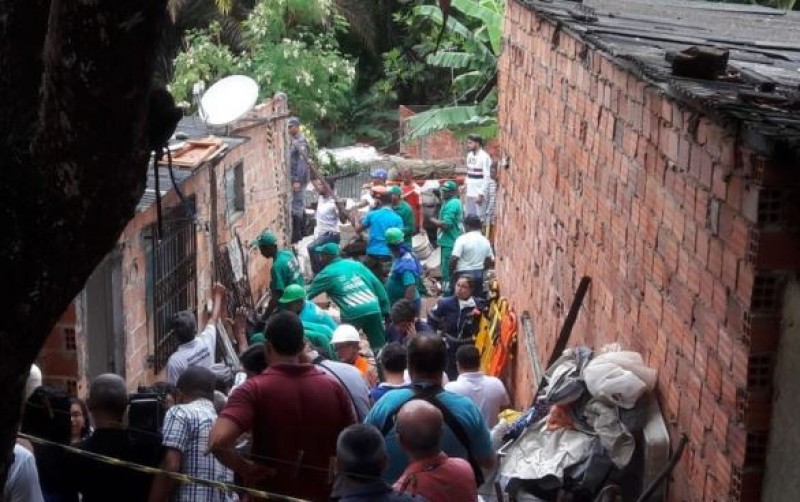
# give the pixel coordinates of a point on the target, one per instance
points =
(462, 408)
(378, 221)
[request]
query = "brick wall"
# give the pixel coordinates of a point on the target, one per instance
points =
(58, 359)
(440, 146)
(681, 228)
(265, 181)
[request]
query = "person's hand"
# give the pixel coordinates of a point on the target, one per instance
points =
(253, 473)
(218, 289)
(296, 186)
(479, 200)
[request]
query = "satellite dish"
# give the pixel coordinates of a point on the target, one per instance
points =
(228, 100)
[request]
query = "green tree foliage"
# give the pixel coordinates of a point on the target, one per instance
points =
(470, 52)
(289, 46)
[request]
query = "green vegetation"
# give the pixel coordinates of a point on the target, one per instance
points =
(347, 64)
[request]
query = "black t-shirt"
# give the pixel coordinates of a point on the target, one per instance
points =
(99, 481)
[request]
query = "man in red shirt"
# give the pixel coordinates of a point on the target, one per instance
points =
(431, 474)
(411, 194)
(295, 413)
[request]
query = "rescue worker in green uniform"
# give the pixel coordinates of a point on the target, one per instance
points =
(285, 269)
(358, 293)
(450, 228)
(405, 212)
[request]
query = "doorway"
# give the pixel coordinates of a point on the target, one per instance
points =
(103, 322)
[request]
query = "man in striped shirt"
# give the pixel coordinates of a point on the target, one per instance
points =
(478, 166)
(187, 426)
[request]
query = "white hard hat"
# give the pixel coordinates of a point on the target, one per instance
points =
(345, 334)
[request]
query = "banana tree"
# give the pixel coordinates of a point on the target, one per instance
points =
(475, 29)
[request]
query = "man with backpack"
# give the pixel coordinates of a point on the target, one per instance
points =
(465, 433)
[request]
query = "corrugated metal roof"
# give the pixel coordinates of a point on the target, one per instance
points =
(191, 128)
(764, 47)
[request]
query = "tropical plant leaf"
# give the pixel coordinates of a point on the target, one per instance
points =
(451, 59)
(447, 118)
(488, 12)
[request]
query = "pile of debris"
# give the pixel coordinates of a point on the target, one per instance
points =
(591, 427)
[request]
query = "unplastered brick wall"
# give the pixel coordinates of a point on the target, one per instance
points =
(686, 234)
(263, 157)
(443, 145)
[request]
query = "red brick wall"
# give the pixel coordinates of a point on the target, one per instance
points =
(440, 146)
(659, 205)
(58, 359)
(265, 181)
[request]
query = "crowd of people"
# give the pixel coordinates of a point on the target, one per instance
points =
(377, 403)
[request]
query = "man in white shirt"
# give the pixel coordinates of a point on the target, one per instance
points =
(487, 392)
(328, 218)
(478, 167)
(194, 350)
(22, 483)
(472, 254)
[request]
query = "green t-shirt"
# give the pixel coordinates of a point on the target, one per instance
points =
(352, 287)
(450, 215)
(406, 214)
(285, 271)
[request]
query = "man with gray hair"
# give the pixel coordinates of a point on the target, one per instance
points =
(361, 458)
(431, 473)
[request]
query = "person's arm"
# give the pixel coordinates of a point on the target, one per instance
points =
(240, 329)
(486, 162)
(377, 287)
(221, 444)
(363, 223)
(410, 282)
(409, 225)
(218, 295)
(162, 487)
(319, 285)
(488, 262)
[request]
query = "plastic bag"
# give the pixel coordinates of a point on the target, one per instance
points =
(619, 378)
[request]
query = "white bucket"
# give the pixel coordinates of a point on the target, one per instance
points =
(432, 265)
(422, 246)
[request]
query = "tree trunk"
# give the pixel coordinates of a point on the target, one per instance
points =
(74, 82)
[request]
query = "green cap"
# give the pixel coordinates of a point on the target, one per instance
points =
(449, 186)
(293, 292)
(395, 190)
(265, 239)
(394, 236)
(329, 248)
(257, 338)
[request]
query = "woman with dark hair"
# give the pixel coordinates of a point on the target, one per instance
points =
(457, 318)
(79, 420)
(47, 416)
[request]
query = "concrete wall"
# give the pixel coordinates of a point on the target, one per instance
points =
(685, 233)
(782, 476)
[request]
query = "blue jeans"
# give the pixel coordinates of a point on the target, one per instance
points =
(325, 238)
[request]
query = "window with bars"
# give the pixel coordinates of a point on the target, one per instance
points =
(172, 278)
